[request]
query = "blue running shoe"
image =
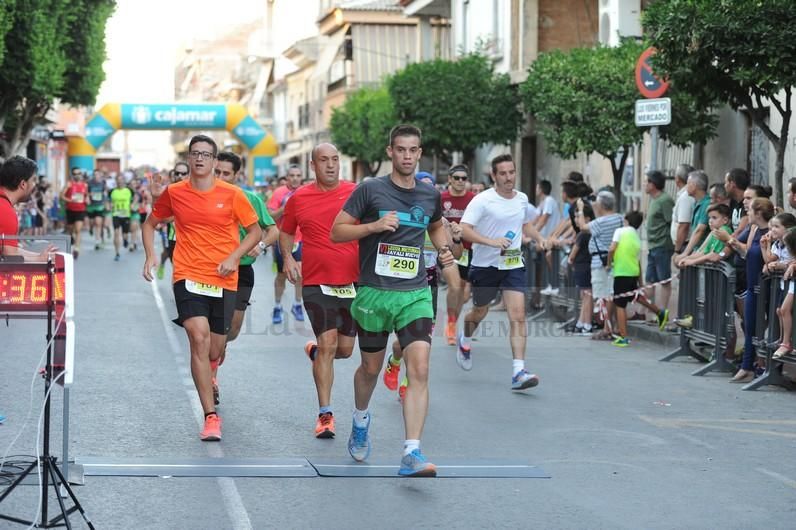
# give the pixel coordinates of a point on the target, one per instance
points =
(359, 442)
(2, 418)
(415, 465)
(523, 380)
(298, 312)
(463, 358)
(277, 316)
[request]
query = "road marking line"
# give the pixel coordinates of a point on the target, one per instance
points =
(199, 465)
(781, 478)
(229, 491)
(674, 423)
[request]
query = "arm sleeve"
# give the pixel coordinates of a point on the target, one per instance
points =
(162, 208)
(472, 214)
(357, 203)
(437, 215)
(242, 209)
(549, 206)
(617, 235)
(262, 212)
(531, 213)
(667, 210)
(289, 221)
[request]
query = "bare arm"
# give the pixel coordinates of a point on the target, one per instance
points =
(148, 238)
(682, 235)
(347, 227)
(611, 251)
(469, 233)
(290, 265)
(696, 236)
(442, 242)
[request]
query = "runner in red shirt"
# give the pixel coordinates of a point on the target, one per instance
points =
(454, 201)
(18, 181)
(276, 207)
(328, 271)
(76, 197)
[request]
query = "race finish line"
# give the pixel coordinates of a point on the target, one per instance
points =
(98, 466)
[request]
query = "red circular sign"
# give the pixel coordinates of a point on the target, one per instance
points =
(649, 84)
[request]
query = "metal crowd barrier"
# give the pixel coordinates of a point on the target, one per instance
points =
(767, 330)
(707, 294)
(563, 306)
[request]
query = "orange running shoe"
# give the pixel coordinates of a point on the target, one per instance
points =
(324, 427)
(216, 393)
(402, 388)
(450, 333)
(212, 430)
(391, 375)
(310, 349)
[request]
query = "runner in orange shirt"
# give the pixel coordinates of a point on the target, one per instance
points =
(207, 213)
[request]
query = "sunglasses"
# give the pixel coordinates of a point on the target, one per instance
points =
(454, 177)
(180, 173)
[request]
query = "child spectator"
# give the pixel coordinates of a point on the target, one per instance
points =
(624, 255)
(776, 257)
(580, 259)
(713, 249)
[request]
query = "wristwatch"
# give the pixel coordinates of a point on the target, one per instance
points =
(262, 246)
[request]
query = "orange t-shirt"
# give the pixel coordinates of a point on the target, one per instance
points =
(207, 222)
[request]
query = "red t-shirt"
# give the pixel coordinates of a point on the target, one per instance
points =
(313, 210)
(76, 196)
(9, 222)
(279, 199)
(453, 207)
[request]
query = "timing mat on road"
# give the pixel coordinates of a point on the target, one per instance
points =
(297, 467)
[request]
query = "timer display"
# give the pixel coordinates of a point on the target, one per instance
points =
(29, 288)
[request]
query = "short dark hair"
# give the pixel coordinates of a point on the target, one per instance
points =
(232, 158)
(786, 219)
(181, 163)
(404, 129)
(762, 192)
(545, 186)
(634, 218)
(499, 160)
(739, 177)
(721, 209)
(15, 170)
(657, 178)
(203, 138)
(575, 176)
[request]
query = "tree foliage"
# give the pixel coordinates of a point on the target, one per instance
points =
(738, 52)
(54, 49)
(459, 105)
(360, 128)
(6, 17)
(584, 101)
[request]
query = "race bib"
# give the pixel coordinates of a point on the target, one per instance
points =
(204, 289)
(339, 291)
(510, 259)
(77, 197)
(464, 260)
(397, 261)
(96, 196)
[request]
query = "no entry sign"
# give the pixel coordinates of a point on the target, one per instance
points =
(649, 84)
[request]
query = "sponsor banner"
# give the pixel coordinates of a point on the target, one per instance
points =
(177, 116)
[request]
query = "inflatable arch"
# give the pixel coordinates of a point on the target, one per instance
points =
(234, 118)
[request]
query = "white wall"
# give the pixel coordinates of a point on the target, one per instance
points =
(485, 20)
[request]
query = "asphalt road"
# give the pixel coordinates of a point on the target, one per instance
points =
(628, 441)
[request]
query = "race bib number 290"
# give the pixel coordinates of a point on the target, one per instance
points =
(398, 261)
(204, 289)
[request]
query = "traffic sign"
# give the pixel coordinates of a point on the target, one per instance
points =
(649, 84)
(652, 112)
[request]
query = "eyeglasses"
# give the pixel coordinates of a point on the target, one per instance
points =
(180, 173)
(204, 155)
(454, 177)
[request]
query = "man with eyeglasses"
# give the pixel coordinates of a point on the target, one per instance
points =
(227, 167)
(276, 207)
(454, 201)
(207, 213)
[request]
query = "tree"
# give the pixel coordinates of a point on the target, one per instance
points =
(6, 18)
(360, 128)
(584, 101)
(739, 52)
(53, 50)
(459, 105)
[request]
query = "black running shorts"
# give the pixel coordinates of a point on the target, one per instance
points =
(328, 312)
(217, 311)
(245, 287)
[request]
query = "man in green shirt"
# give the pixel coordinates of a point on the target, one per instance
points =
(121, 205)
(659, 241)
(697, 187)
(228, 165)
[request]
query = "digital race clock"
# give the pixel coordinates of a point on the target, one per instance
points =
(24, 286)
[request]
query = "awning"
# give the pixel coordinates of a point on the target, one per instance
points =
(441, 8)
(328, 54)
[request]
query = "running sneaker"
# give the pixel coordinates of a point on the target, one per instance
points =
(621, 342)
(75, 254)
(310, 348)
(523, 379)
(125, 243)
(161, 271)
(298, 312)
(391, 375)
(216, 393)
(97, 246)
(687, 322)
(359, 441)
(117, 257)
(415, 465)
(277, 316)
(324, 427)
(2, 418)
(402, 388)
(212, 430)
(463, 356)
(450, 333)
(663, 319)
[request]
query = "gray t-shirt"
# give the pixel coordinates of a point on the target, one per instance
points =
(602, 233)
(394, 260)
